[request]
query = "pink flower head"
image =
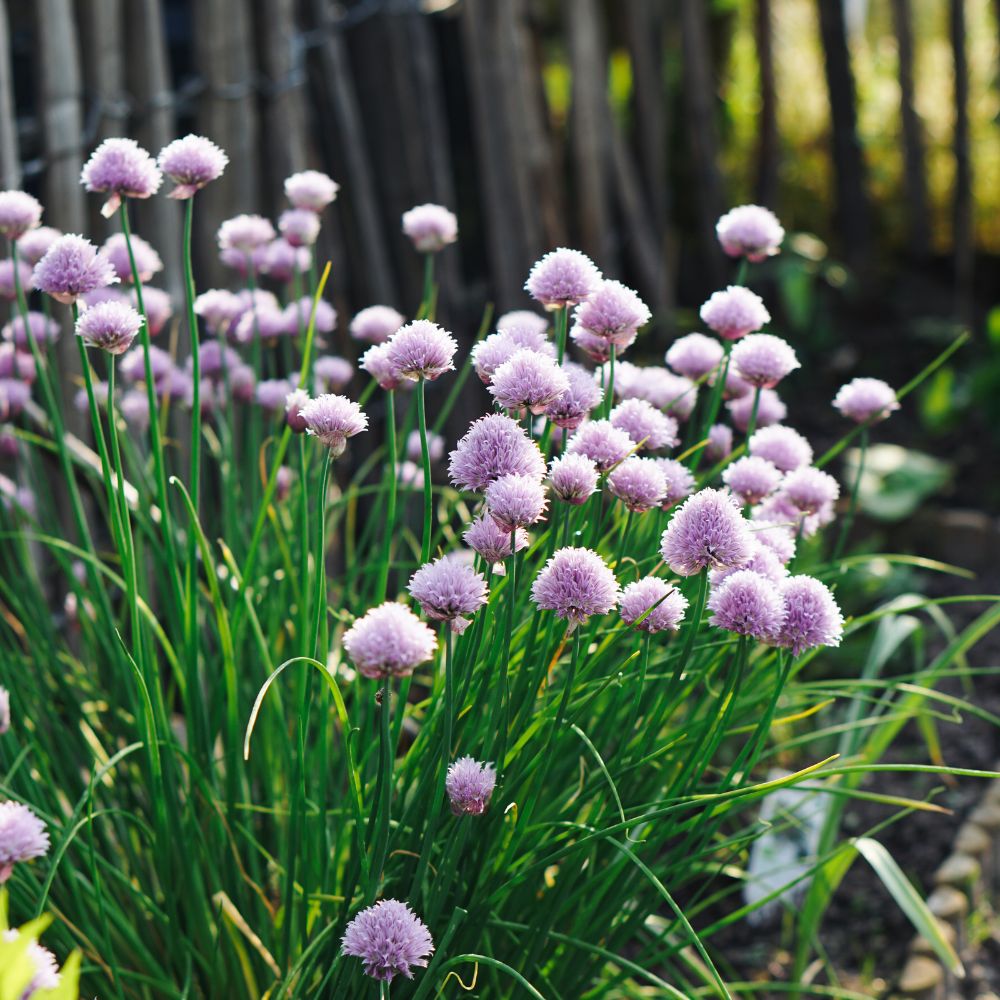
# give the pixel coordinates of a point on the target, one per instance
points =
(242, 383)
(35, 243)
(376, 324)
(244, 233)
(668, 605)
(492, 543)
(14, 396)
(748, 604)
(4, 710)
(279, 259)
(19, 213)
(524, 319)
(271, 394)
(528, 381)
(311, 189)
(332, 373)
(489, 354)
(645, 424)
(750, 231)
(752, 478)
(448, 590)
(110, 326)
(421, 350)
(810, 490)
(147, 260)
(8, 284)
(121, 168)
(563, 278)
(576, 583)
(22, 837)
(218, 308)
(431, 227)
(812, 617)
(720, 443)
(866, 400)
(735, 312)
(573, 478)
(333, 419)
(191, 163)
(494, 446)
(770, 410)
(435, 446)
(784, 447)
(389, 641)
(40, 327)
(603, 443)
(763, 360)
(158, 305)
(298, 314)
(694, 355)
(572, 407)
(679, 480)
(613, 312)
(299, 226)
(377, 363)
(470, 785)
(390, 939)
(71, 268)
(516, 501)
(596, 348)
(706, 532)
(639, 483)
(294, 402)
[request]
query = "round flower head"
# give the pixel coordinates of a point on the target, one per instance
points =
(489, 354)
(159, 307)
(299, 226)
(332, 373)
(764, 562)
(244, 233)
(777, 537)
(14, 396)
(706, 532)
(679, 480)
(435, 446)
(16, 364)
(71, 268)
(280, 259)
(516, 501)
(35, 243)
(191, 163)
(675, 394)
(267, 323)
(147, 260)
(770, 409)
(812, 616)
(110, 326)
(8, 286)
(778, 508)
(19, 213)
(389, 641)
(750, 231)
(470, 785)
(376, 324)
(735, 387)
(333, 419)
(133, 365)
(809, 489)
(298, 314)
(311, 189)
(43, 329)
(639, 483)
(431, 227)
(294, 402)
(596, 348)
(613, 312)
(4, 710)
(409, 475)
(720, 443)
(485, 537)
(122, 169)
(668, 605)
(215, 359)
(573, 478)
(752, 478)
(735, 312)
(528, 381)
(563, 278)
(866, 399)
(421, 350)
(748, 604)
(218, 308)
(645, 424)
(448, 590)
(572, 407)
(390, 939)
(134, 408)
(576, 583)
(694, 355)
(763, 360)
(376, 362)
(271, 394)
(525, 319)
(784, 447)
(494, 446)
(603, 443)
(22, 837)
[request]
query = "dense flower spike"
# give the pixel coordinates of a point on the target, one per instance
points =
(485, 537)
(809, 489)
(784, 447)
(563, 278)
(245, 233)
(748, 604)
(763, 360)
(735, 312)
(679, 480)
(449, 590)
(573, 478)
(35, 243)
(431, 227)
(191, 163)
(41, 327)
(110, 326)
(19, 213)
(645, 424)
(694, 355)
(421, 350)
(528, 380)
(70, 268)
(22, 837)
(866, 399)
(667, 603)
(750, 231)
(311, 189)
(333, 419)
(4, 710)
(706, 532)
(770, 410)
(120, 168)
(576, 583)
(389, 641)
(299, 226)
(516, 501)
(469, 784)
(613, 312)
(812, 616)
(572, 407)
(639, 483)
(752, 478)
(390, 939)
(147, 260)
(603, 443)
(493, 446)
(376, 324)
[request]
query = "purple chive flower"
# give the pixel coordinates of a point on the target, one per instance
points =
(528, 381)
(596, 348)
(134, 409)
(763, 360)
(8, 287)
(16, 364)
(268, 323)
(271, 394)
(244, 233)
(299, 313)
(421, 350)
(377, 363)
(573, 478)
(469, 784)
(562, 278)
(750, 231)
(748, 604)
(613, 312)
(720, 443)
(778, 508)
(764, 562)
(4, 710)
(280, 260)
(770, 410)
(667, 602)
(311, 189)
(866, 399)
(431, 227)
(694, 355)
(8, 449)
(485, 537)
(19, 213)
(214, 359)
(810, 490)
(435, 446)
(299, 226)
(283, 483)
(639, 483)
(35, 243)
(376, 324)
(22, 837)
(679, 480)
(448, 590)
(332, 373)
(735, 312)
(494, 446)
(572, 407)
(735, 387)
(71, 268)
(218, 308)
(120, 168)
(603, 443)
(191, 163)
(524, 318)
(333, 419)
(516, 501)
(294, 402)
(576, 583)
(812, 616)
(645, 424)
(784, 447)
(777, 537)
(42, 329)
(390, 939)
(752, 478)
(489, 354)
(110, 326)
(133, 365)
(706, 531)
(46, 967)
(389, 641)
(14, 396)
(147, 260)
(159, 307)
(675, 394)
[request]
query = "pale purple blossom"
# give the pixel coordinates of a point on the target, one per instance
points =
(748, 604)
(469, 784)
(734, 387)
(720, 442)
(299, 226)
(603, 443)
(668, 605)
(311, 189)
(485, 537)
(707, 531)
(120, 168)
(783, 446)
(596, 348)
(639, 483)
(647, 426)
(8, 274)
(777, 537)
(679, 480)
(294, 402)
(14, 396)
(812, 617)
(694, 355)
(573, 478)
(494, 446)
(134, 409)
(245, 233)
(35, 243)
(191, 162)
(158, 305)
(779, 509)
(22, 837)
(763, 360)
(528, 380)
(430, 227)
(16, 364)
(332, 420)
(332, 373)
(496, 349)
(218, 307)
(40, 327)
(376, 324)
(271, 394)
(524, 318)
(613, 312)
(132, 366)
(279, 259)
(672, 393)
(268, 323)
(435, 446)
(70, 268)
(20, 212)
(389, 641)
(576, 583)
(810, 489)
(561, 278)
(377, 363)
(750, 231)
(764, 562)
(735, 312)
(516, 501)
(109, 326)
(298, 314)
(46, 967)
(147, 260)
(770, 409)
(572, 407)
(448, 590)
(866, 400)
(752, 478)
(421, 350)
(214, 359)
